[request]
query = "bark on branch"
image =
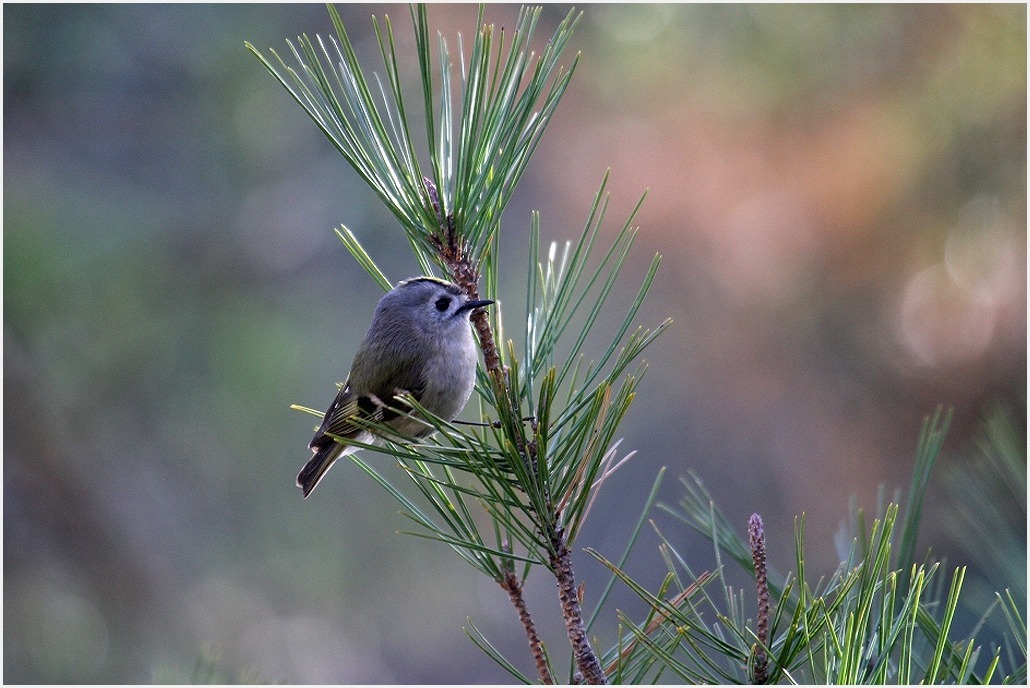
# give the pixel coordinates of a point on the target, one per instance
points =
(513, 587)
(586, 660)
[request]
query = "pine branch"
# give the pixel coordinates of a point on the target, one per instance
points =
(466, 275)
(511, 585)
(756, 539)
(464, 272)
(586, 660)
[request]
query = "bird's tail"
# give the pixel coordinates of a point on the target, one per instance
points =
(314, 469)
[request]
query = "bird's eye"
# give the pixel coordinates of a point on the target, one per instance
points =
(443, 303)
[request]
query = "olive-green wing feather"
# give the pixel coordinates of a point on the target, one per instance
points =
(397, 369)
(339, 420)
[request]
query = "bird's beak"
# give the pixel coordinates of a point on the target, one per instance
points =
(472, 305)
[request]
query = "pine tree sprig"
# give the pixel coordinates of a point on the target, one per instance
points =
(867, 623)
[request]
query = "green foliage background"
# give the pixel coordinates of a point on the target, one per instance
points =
(839, 194)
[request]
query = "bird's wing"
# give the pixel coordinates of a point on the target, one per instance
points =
(400, 377)
(339, 418)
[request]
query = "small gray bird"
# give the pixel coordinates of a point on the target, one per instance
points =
(419, 343)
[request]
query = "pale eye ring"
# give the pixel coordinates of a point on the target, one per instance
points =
(443, 303)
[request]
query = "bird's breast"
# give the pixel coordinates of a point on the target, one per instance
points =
(450, 377)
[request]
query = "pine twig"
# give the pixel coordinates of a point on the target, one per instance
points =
(465, 274)
(756, 539)
(511, 585)
(586, 659)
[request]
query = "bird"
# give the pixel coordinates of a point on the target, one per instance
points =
(420, 343)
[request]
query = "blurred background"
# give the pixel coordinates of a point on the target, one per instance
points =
(839, 193)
